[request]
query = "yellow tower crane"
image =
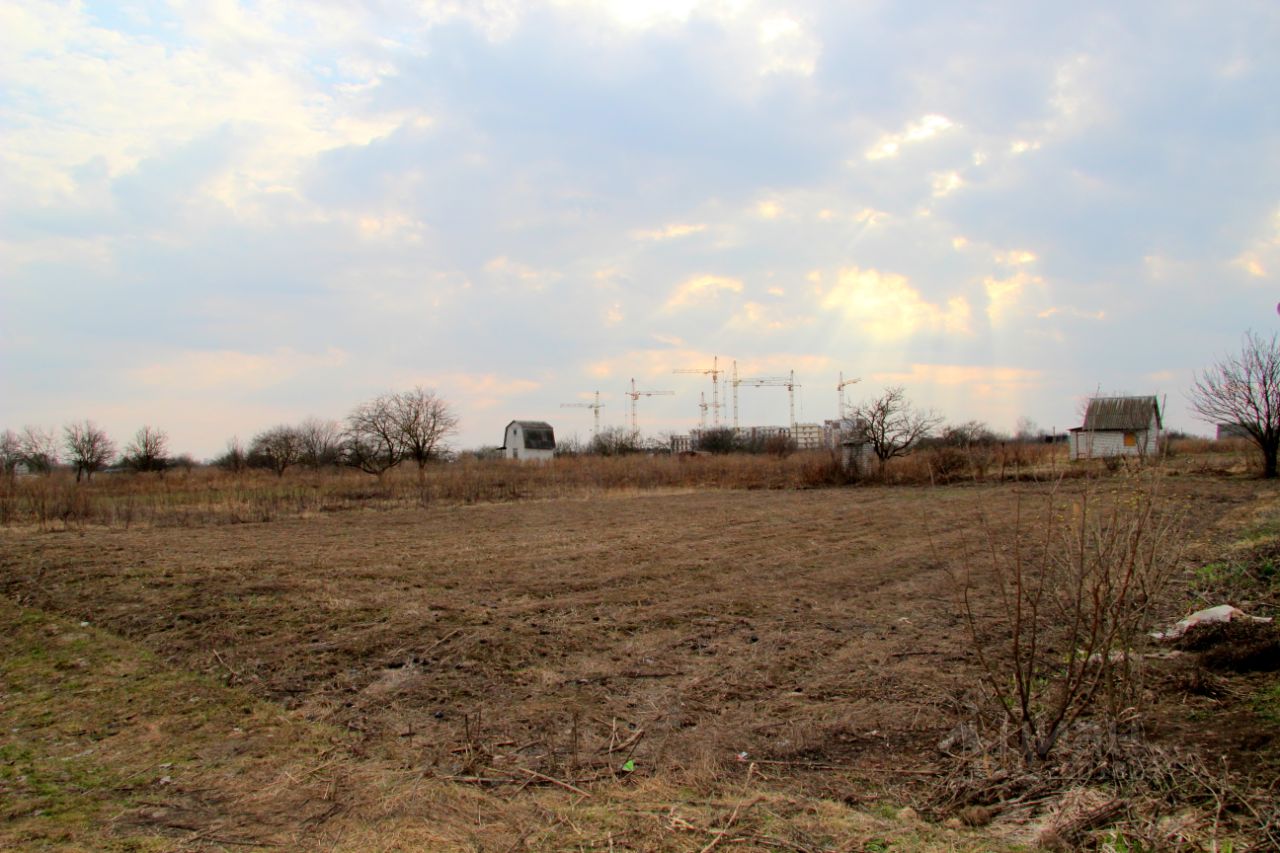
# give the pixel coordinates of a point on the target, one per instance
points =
(714, 372)
(840, 391)
(636, 395)
(595, 408)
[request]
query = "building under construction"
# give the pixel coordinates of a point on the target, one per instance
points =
(826, 435)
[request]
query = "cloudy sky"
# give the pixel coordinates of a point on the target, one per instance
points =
(217, 216)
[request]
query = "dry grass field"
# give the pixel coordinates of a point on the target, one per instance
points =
(668, 669)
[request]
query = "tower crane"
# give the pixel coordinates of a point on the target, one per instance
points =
(840, 391)
(702, 404)
(788, 382)
(636, 395)
(714, 372)
(595, 408)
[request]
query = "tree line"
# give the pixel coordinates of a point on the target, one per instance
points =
(1240, 390)
(377, 435)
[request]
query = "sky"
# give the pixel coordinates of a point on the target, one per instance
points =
(218, 216)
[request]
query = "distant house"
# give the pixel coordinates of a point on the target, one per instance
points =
(1117, 426)
(529, 440)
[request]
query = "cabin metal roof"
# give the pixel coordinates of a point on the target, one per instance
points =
(1120, 413)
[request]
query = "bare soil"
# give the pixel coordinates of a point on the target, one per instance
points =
(814, 633)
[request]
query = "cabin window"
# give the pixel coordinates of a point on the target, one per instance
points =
(1130, 439)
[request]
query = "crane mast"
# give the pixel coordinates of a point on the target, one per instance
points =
(788, 382)
(636, 395)
(595, 408)
(840, 391)
(714, 372)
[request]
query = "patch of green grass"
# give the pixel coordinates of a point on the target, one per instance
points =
(94, 724)
(1266, 703)
(1118, 842)
(1213, 574)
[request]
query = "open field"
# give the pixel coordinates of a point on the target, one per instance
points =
(658, 670)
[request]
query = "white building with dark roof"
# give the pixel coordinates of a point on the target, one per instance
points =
(527, 440)
(1118, 426)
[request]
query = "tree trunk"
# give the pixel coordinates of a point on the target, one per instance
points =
(1269, 452)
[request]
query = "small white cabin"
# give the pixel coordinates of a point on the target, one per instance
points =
(526, 440)
(1118, 426)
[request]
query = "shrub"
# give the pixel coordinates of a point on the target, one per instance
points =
(1072, 593)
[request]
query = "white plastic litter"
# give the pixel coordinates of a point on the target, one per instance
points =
(1221, 613)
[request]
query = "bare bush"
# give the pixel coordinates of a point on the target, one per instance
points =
(615, 441)
(372, 440)
(89, 449)
(278, 449)
(1072, 593)
(321, 442)
(234, 458)
(38, 449)
(149, 450)
(10, 452)
(720, 440)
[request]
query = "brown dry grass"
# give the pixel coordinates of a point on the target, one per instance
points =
(200, 496)
(445, 654)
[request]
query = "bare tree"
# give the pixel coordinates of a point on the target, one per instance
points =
(372, 440)
(39, 449)
(149, 450)
(234, 459)
(277, 448)
(89, 448)
(614, 441)
(1029, 430)
(10, 452)
(1244, 390)
(424, 421)
(891, 425)
(321, 442)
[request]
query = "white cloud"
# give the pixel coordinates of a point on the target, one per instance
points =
(768, 318)
(1263, 255)
(92, 92)
(885, 305)
(507, 270)
(1015, 257)
(786, 47)
(194, 370)
(768, 209)
(1005, 296)
(983, 378)
(702, 287)
(890, 145)
(670, 232)
(945, 183)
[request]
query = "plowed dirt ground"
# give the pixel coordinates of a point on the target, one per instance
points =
(814, 633)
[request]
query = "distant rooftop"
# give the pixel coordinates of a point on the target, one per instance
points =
(1120, 413)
